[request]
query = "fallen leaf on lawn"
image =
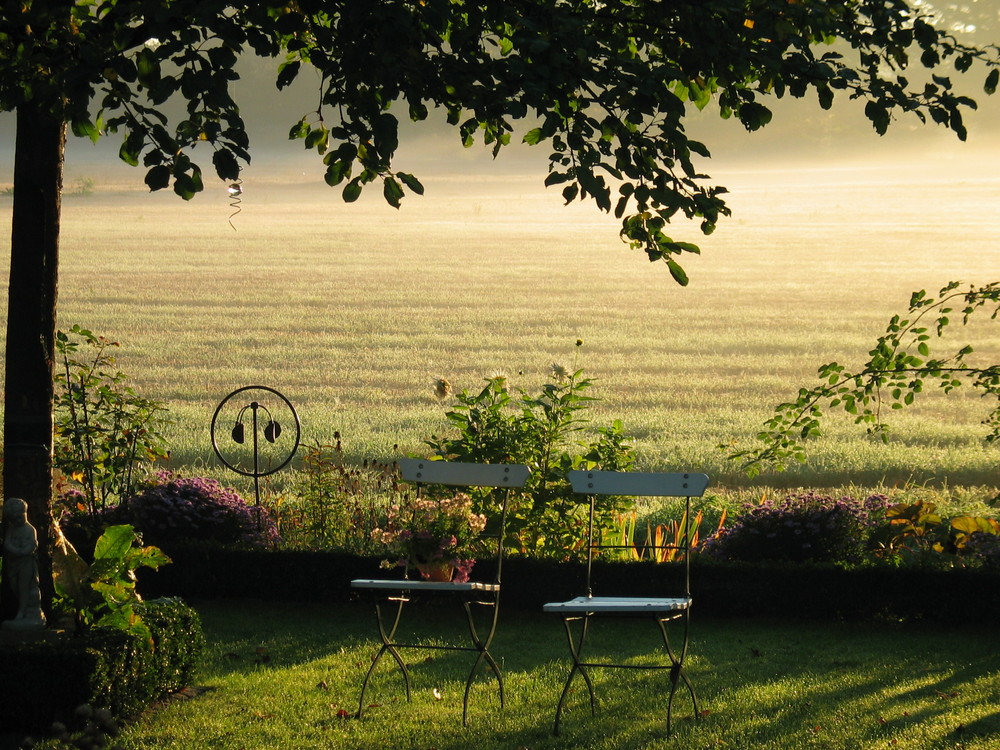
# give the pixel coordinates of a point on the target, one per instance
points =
(322, 685)
(343, 714)
(438, 695)
(703, 714)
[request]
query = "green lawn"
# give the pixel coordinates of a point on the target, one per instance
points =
(286, 676)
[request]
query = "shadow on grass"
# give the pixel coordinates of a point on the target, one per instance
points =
(290, 675)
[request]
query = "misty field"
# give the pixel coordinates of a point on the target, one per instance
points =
(352, 310)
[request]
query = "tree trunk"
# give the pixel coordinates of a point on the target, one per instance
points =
(31, 322)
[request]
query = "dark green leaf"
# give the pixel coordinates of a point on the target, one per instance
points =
(352, 190)
(226, 165)
(392, 191)
(677, 272)
(411, 182)
(992, 80)
(287, 72)
(386, 131)
(158, 177)
(84, 128)
(879, 117)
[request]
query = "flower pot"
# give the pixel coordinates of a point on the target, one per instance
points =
(439, 572)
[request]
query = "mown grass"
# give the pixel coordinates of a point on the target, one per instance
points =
(280, 676)
(351, 310)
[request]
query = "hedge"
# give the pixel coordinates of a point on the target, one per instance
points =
(47, 679)
(719, 589)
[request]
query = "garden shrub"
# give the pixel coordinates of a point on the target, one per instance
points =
(104, 667)
(983, 550)
(336, 506)
(800, 528)
(176, 510)
(105, 433)
(503, 424)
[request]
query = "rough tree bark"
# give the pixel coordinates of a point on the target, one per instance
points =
(31, 324)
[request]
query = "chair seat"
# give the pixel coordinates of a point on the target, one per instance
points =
(617, 604)
(399, 584)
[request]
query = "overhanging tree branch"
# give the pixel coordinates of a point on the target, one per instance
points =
(899, 366)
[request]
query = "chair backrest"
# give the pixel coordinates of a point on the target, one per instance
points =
(640, 484)
(462, 474)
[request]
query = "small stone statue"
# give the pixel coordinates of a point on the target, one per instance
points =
(20, 567)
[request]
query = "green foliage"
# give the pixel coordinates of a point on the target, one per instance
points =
(103, 668)
(899, 367)
(501, 424)
(104, 431)
(102, 594)
(918, 534)
(333, 505)
(662, 542)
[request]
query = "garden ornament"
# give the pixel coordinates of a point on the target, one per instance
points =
(20, 566)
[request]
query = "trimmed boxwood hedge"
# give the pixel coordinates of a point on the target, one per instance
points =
(719, 589)
(47, 679)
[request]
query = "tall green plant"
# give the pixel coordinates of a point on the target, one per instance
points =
(104, 429)
(103, 593)
(503, 424)
(335, 505)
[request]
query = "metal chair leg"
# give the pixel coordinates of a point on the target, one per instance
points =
(677, 673)
(387, 647)
(483, 646)
(575, 648)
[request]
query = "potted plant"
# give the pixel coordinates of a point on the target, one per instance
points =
(435, 537)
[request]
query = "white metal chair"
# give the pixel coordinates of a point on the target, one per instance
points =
(397, 592)
(662, 610)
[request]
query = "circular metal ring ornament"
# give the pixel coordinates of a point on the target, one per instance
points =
(262, 424)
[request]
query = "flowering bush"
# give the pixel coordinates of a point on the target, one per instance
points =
(801, 528)
(425, 531)
(984, 548)
(180, 509)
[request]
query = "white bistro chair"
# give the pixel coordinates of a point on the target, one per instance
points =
(395, 593)
(672, 610)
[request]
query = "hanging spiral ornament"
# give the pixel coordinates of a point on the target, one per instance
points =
(235, 190)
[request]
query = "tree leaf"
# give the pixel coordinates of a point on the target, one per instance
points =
(411, 182)
(352, 190)
(226, 165)
(392, 191)
(533, 137)
(158, 177)
(990, 87)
